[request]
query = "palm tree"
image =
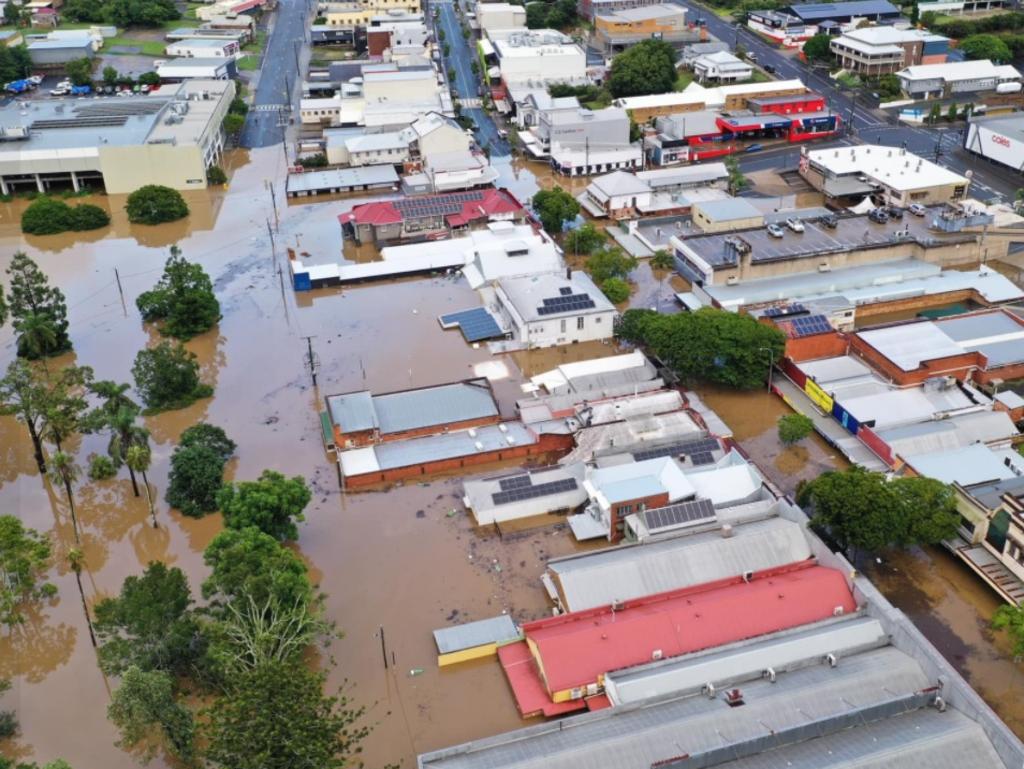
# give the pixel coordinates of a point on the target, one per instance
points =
(125, 435)
(76, 559)
(62, 469)
(37, 335)
(138, 458)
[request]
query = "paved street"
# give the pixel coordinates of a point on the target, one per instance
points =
(466, 86)
(990, 182)
(277, 87)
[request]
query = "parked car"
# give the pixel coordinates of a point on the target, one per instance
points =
(769, 69)
(895, 212)
(754, 148)
(917, 209)
(878, 215)
(795, 224)
(60, 90)
(775, 231)
(751, 56)
(830, 220)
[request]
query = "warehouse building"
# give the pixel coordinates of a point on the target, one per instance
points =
(177, 70)
(999, 138)
(940, 81)
(204, 48)
(169, 136)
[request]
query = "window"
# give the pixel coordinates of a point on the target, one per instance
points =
(579, 323)
(562, 322)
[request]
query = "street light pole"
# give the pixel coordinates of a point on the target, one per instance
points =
(771, 364)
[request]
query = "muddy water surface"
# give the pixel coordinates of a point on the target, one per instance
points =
(406, 559)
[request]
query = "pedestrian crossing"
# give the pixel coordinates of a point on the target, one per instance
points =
(472, 103)
(269, 108)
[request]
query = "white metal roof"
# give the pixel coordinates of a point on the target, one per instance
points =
(959, 70)
(895, 168)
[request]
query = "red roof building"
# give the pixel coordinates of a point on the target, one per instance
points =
(572, 652)
(429, 217)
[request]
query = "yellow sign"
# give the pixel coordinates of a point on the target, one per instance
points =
(821, 398)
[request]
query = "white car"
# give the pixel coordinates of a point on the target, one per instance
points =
(917, 209)
(795, 224)
(775, 231)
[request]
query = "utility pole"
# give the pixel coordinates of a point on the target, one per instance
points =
(273, 200)
(120, 290)
(312, 358)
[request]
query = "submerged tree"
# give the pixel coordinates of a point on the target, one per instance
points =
(62, 469)
(24, 559)
(146, 713)
(271, 503)
(76, 560)
(167, 377)
(138, 458)
(182, 303)
(35, 304)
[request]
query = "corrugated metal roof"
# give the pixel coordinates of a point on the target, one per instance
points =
(353, 412)
(470, 634)
(414, 409)
(623, 573)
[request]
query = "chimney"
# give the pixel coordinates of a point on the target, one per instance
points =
(568, 273)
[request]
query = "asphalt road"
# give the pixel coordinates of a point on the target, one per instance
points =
(990, 182)
(278, 86)
(466, 85)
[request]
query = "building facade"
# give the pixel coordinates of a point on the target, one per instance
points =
(876, 51)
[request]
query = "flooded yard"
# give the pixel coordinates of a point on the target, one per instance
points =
(407, 559)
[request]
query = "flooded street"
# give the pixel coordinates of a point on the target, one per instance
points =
(407, 559)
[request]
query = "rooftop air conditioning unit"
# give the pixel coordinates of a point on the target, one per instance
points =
(727, 530)
(479, 446)
(732, 280)
(510, 440)
(839, 611)
(472, 432)
(503, 427)
(656, 654)
(824, 267)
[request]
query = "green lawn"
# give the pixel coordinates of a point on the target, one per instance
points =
(684, 78)
(249, 63)
(257, 44)
(146, 47)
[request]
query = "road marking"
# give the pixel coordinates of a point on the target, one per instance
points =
(269, 107)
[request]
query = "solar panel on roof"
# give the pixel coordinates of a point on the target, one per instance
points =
(532, 492)
(694, 511)
(476, 324)
(112, 121)
(565, 303)
(678, 449)
(515, 482)
(565, 290)
(811, 324)
(702, 458)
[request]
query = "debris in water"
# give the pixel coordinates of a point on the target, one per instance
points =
(420, 514)
(497, 567)
(415, 672)
(451, 512)
(453, 615)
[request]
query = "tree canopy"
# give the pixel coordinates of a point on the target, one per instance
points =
(554, 208)
(276, 716)
(31, 295)
(155, 204)
(123, 13)
(610, 263)
(49, 216)
(182, 302)
(150, 625)
(272, 504)
(712, 345)
(818, 48)
(793, 428)
(645, 68)
(15, 62)
(197, 469)
(584, 240)
(557, 14)
(146, 713)
(24, 559)
(209, 436)
(985, 47)
(79, 71)
(865, 511)
(248, 562)
(167, 377)
(1011, 619)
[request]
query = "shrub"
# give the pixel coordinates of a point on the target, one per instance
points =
(101, 467)
(86, 216)
(216, 175)
(155, 204)
(793, 428)
(662, 260)
(616, 289)
(197, 474)
(48, 216)
(167, 377)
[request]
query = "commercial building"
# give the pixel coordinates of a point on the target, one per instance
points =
(332, 182)
(176, 70)
(169, 137)
(961, 7)
(644, 109)
(555, 309)
(204, 48)
(721, 67)
(451, 172)
(619, 195)
(616, 31)
(362, 12)
(892, 175)
(792, 24)
(239, 35)
(590, 9)
(883, 50)
(429, 217)
(521, 495)
(221, 8)
(539, 57)
(362, 418)
(726, 215)
(941, 81)
(492, 16)
(999, 138)
(581, 127)
(55, 53)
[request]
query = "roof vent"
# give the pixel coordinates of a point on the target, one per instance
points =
(831, 660)
(479, 446)
(472, 432)
(839, 611)
(727, 530)
(747, 576)
(656, 654)
(769, 674)
(709, 690)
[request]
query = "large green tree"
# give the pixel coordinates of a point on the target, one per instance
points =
(583, 240)
(272, 504)
(155, 204)
(1011, 619)
(864, 511)
(818, 48)
(117, 414)
(146, 713)
(150, 624)
(31, 295)
(248, 562)
(554, 208)
(610, 263)
(24, 559)
(711, 345)
(15, 62)
(645, 68)
(167, 377)
(123, 13)
(277, 717)
(985, 47)
(183, 302)
(197, 469)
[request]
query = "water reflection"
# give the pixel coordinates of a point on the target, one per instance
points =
(36, 647)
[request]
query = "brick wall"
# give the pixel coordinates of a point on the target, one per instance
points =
(817, 346)
(960, 366)
(368, 437)
(628, 506)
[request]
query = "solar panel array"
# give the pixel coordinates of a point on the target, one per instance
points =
(531, 492)
(785, 311)
(113, 121)
(126, 107)
(439, 205)
(475, 325)
(565, 291)
(565, 303)
(515, 482)
(694, 511)
(810, 325)
(677, 449)
(702, 458)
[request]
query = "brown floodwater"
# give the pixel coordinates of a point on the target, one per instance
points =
(406, 559)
